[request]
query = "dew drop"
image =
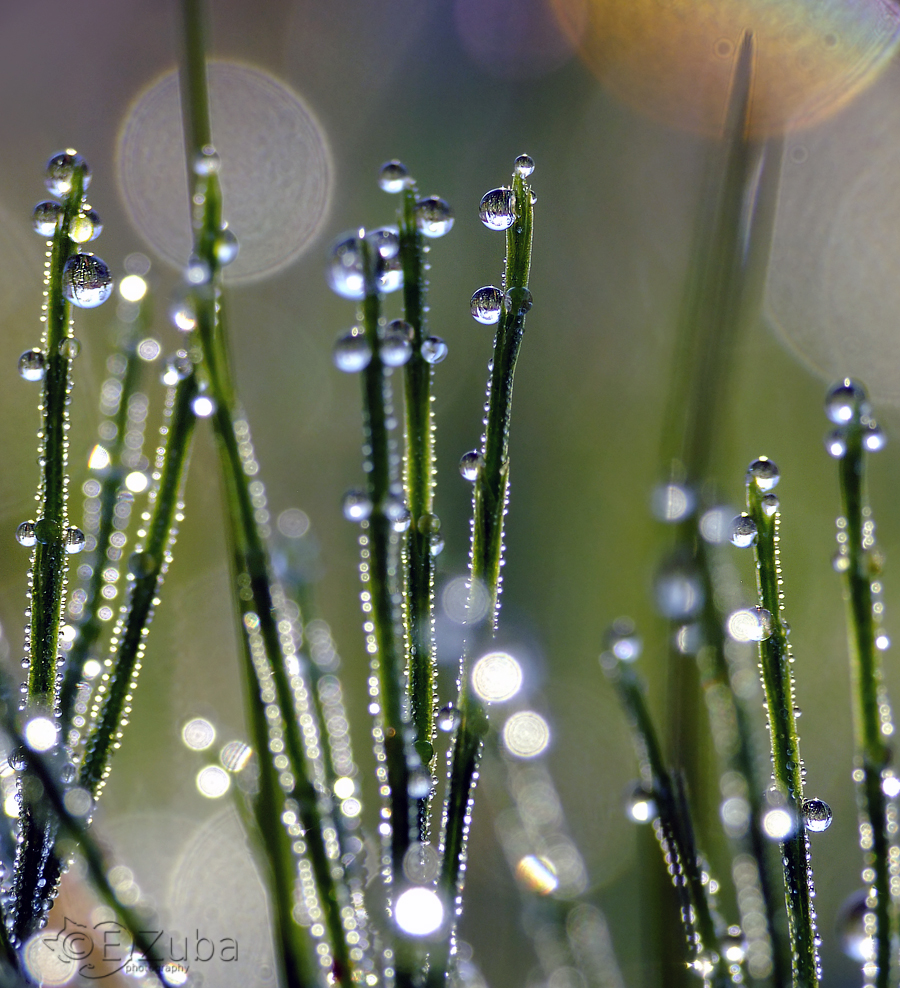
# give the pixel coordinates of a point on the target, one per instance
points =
(750, 624)
(61, 171)
(743, 531)
(74, 540)
(69, 347)
(352, 352)
(836, 443)
(434, 350)
(844, 400)
(196, 273)
(46, 531)
(640, 804)
(32, 366)
(183, 309)
(207, 161)
(345, 269)
(397, 513)
(393, 177)
(178, 367)
(421, 863)
(25, 534)
(448, 718)
(385, 241)
(434, 217)
(622, 640)
(518, 300)
(45, 217)
(86, 281)
(86, 226)
(874, 438)
(856, 940)
(734, 946)
(817, 815)
(524, 165)
(470, 464)
(498, 209)
(395, 348)
(17, 759)
(764, 472)
(486, 303)
(420, 783)
(770, 504)
(227, 247)
(356, 506)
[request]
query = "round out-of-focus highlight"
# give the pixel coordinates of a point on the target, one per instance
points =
(673, 60)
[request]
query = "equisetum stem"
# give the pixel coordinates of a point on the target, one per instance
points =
(778, 685)
(872, 721)
(258, 617)
(489, 508)
(419, 477)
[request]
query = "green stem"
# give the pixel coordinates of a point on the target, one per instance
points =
(778, 684)
(419, 483)
(112, 703)
(871, 723)
(490, 499)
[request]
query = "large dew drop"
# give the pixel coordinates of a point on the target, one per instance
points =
(352, 352)
(434, 217)
(524, 165)
(750, 624)
(396, 348)
(86, 226)
(470, 465)
(486, 304)
(817, 815)
(356, 506)
(345, 269)
(764, 472)
(32, 366)
(25, 534)
(844, 401)
(86, 281)
(498, 209)
(393, 177)
(743, 531)
(61, 172)
(640, 804)
(434, 350)
(45, 217)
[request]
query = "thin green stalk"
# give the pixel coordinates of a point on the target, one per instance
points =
(419, 481)
(490, 499)
(249, 558)
(673, 827)
(778, 684)
(871, 712)
(112, 702)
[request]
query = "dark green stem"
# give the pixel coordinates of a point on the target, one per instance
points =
(872, 752)
(778, 684)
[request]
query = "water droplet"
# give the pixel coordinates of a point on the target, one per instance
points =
(421, 863)
(743, 531)
(672, 502)
(207, 161)
(352, 352)
(227, 247)
(67, 772)
(385, 241)
(183, 308)
(396, 348)
(393, 177)
(856, 939)
(844, 400)
(840, 561)
(196, 273)
(69, 347)
(817, 815)
(486, 303)
(434, 217)
(436, 543)
(397, 513)
(419, 783)
(434, 350)
(770, 504)
(640, 804)
(345, 269)
(518, 300)
(61, 170)
(882, 642)
(498, 209)
(25, 534)
(74, 540)
(734, 946)
(750, 624)
(679, 594)
(890, 785)
(622, 640)
(32, 366)
(764, 472)
(203, 406)
(356, 505)
(45, 217)
(178, 367)
(836, 443)
(448, 718)
(86, 281)
(470, 464)
(524, 165)
(874, 438)
(86, 226)
(18, 759)
(46, 531)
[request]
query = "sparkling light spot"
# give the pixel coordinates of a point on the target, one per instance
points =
(99, 458)
(92, 669)
(49, 966)
(132, 288)
(778, 823)
(198, 734)
(235, 755)
(137, 482)
(497, 677)
(213, 781)
(526, 734)
(293, 523)
(464, 605)
(41, 733)
(203, 407)
(344, 787)
(149, 349)
(537, 874)
(419, 912)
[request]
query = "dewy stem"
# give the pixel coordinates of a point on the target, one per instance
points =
(419, 477)
(872, 721)
(778, 684)
(489, 508)
(258, 618)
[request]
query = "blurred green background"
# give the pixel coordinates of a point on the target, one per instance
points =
(453, 91)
